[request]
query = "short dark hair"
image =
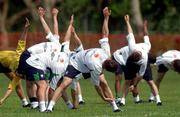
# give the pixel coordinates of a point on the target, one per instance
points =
(110, 65)
(176, 65)
(135, 56)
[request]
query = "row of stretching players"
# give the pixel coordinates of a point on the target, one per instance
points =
(10, 60)
(44, 64)
(37, 61)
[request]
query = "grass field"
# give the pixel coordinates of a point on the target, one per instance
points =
(95, 107)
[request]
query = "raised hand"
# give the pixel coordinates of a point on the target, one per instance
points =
(41, 11)
(72, 19)
(55, 12)
(27, 22)
(106, 12)
(126, 18)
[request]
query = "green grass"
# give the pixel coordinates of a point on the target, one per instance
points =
(95, 107)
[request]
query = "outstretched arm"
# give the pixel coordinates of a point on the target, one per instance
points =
(26, 26)
(22, 42)
(146, 37)
(66, 43)
(68, 32)
(55, 14)
(145, 28)
(41, 13)
(129, 28)
(130, 36)
(105, 28)
(77, 39)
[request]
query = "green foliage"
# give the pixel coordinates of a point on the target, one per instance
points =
(163, 15)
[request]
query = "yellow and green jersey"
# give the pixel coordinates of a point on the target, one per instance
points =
(10, 60)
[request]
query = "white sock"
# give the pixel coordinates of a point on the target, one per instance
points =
(114, 105)
(34, 104)
(151, 96)
(24, 102)
(46, 103)
(157, 98)
(42, 106)
(137, 98)
(80, 98)
(123, 101)
(51, 105)
(69, 104)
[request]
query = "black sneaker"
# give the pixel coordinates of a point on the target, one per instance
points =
(138, 102)
(159, 104)
(49, 111)
(150, 101)
(121, 104)
(117, 110)
(81, 102)
(25, 106)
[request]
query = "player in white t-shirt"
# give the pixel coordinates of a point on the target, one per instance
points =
(91, 61)
(168, 60)
(133, 59)
(51, 46)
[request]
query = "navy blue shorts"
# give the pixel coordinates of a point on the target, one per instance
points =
(34, 74)
(120, 69)
(162, 68)
(4, 69)
(22, 62)
(131, 69)
(71, 72)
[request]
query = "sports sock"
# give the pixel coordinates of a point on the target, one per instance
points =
(137, 98)
(123, 101)
(157, 98)
(69, 104)
(151, 96)
(42, 106)
(34, 102)
(80, 98)
(51, 105)
(24, 102)
(114, 105)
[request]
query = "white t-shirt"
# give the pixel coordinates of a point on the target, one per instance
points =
(91, 60)
(167, 58)
(121, 55)
(65, 48)
(51, 46)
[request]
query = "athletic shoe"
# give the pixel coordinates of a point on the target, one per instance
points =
(150, 101)
(138, 102)
(49, 111)
(42, 111)
(159, 104)
(121, 104)
(27, 105)
(117, 110)
(82, 102)
(118, 100)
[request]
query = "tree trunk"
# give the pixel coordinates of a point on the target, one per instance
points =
(136, 15)
(3, 14)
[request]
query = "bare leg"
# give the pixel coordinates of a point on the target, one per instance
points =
(107, 92)
(127, 83)
(160, 76)
(155, 91)
(78, 89)
(31, 89)
(118, 79)
(58, 92)
(41, 94)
